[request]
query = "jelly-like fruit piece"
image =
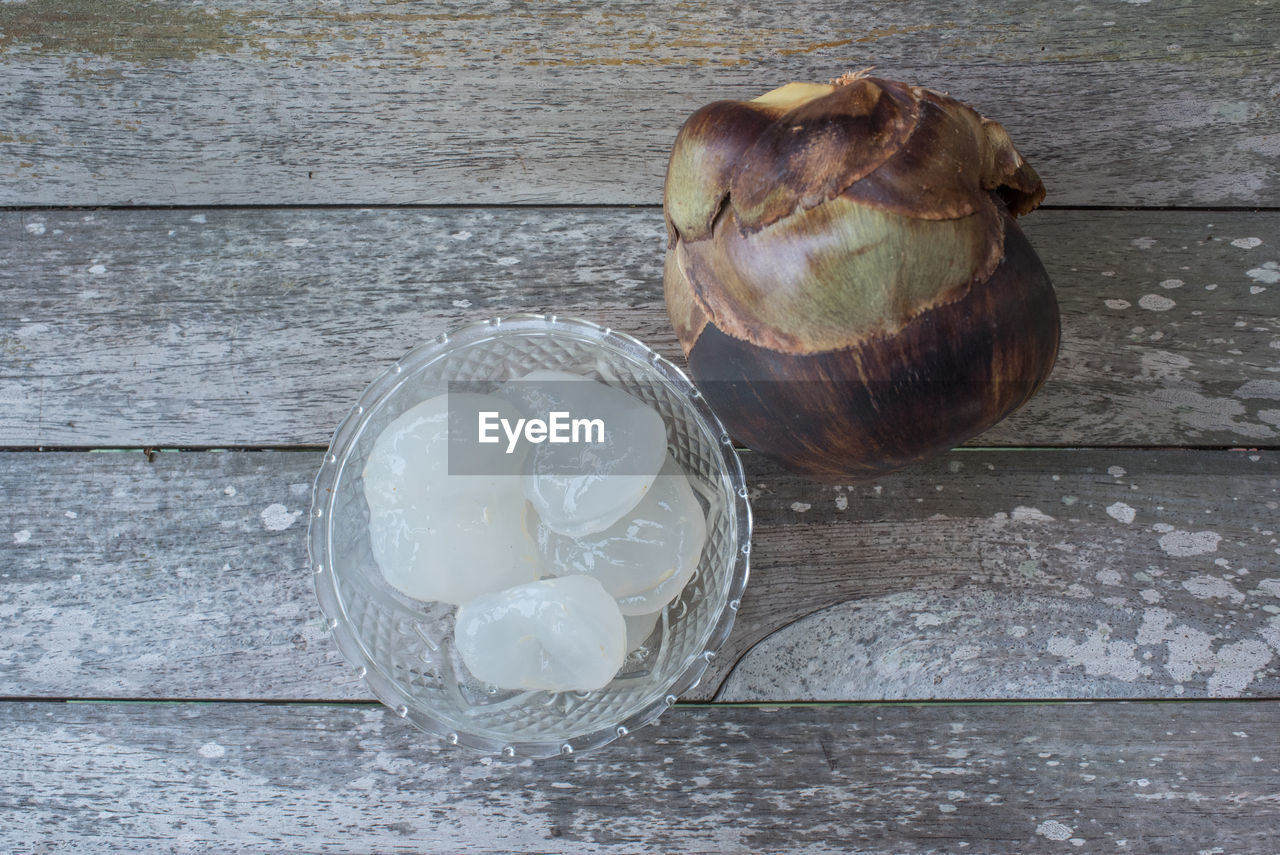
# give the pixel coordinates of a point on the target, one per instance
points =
(555, 634)
(582, 487)
(437, 536)
(644, 559)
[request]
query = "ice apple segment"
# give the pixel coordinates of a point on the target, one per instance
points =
(437, 536)
(644, 559)
(581, 488)
(556, 635)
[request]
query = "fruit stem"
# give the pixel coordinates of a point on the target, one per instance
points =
(850, 76)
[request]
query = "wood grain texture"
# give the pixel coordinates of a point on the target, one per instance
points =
(1017, 574)
(141, 102)
(170, 328)
(1141, 777)
(1012, 574)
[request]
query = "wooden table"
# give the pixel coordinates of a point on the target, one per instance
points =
(223, 221)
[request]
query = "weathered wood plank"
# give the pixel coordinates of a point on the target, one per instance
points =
(133, 101)
(1063, 574)
(982, 575)
(162, 327)
(1141, 777)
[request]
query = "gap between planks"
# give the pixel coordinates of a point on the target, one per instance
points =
(550, 206)
(679, 704)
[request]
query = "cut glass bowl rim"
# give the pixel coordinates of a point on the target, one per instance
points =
(323, 496)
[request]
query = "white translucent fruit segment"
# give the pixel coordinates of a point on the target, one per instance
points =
(644, 559)
(555, 635)
(579, 488)
(437, 536)
(639, 628)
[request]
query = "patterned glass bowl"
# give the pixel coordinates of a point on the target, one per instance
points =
(403, 648)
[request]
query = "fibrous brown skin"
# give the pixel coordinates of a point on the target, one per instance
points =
(846, 278)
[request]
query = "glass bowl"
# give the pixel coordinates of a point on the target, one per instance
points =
(403, 648)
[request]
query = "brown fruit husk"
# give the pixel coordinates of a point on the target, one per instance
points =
(846, 277)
